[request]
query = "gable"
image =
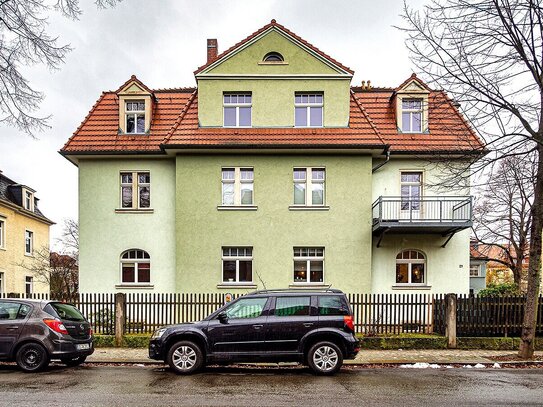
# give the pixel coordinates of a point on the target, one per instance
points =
(247, 59)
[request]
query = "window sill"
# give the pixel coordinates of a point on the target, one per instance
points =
(273, 63)
(308, 208)
(237, 208)
(135, 286)
(3, 248)
(236, 285)
(411, 287)
(134, 210)
(29, 255)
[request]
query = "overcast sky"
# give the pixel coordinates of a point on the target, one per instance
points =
(163, 42)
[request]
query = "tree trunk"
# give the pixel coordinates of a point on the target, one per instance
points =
(527, 338)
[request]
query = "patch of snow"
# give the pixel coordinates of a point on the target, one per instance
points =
(496, 366)
(421, 365)
(449, 367)
(479, 366)
(467, 367)
(139, 365)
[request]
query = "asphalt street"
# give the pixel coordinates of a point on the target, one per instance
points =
(92, 385)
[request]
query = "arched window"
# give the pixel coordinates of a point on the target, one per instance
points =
(135, 267)
(410, 267)
(273, 57)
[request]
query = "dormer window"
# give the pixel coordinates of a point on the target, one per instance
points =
(28, 201)
(412, 115)
(273, 57)
(308, 108)
(237, 109)
(135, 116)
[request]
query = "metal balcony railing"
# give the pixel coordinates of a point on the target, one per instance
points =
(451, 211)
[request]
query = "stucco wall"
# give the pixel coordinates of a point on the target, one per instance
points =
(13, 252)
(447, 269)
(273, 230)
(105, 234)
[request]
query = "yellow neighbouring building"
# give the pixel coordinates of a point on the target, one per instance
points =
(24, 231)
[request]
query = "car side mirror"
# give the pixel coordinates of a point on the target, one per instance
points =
(223, 318)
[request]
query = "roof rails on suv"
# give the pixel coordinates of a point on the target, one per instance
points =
(295, 290)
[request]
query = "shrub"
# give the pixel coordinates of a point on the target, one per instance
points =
(496, 290)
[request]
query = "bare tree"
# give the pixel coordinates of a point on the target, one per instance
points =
(488, 55)
(502, 214)
(60, 270)
(25, 41)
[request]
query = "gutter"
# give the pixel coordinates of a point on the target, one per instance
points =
(386, 151)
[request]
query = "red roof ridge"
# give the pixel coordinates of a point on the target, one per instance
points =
(84, 121)
(416, 79)
(274, 23)
(368, 118)
(180, 117)
(133, 78)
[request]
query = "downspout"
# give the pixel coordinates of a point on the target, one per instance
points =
(386, 151)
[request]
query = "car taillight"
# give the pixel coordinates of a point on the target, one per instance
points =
(56, 326)
(349, 323)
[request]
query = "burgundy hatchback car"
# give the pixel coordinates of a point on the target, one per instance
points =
(34, 332)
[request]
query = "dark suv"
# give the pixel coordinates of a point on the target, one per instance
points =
(33, 332)
(307, 326)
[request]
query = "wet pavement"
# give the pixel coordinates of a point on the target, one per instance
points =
(94, 385)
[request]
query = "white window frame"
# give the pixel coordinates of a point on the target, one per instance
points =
(135, 185)
(136, 262)
(413, 206)
(410, 263)
(308, 107)
(309, 181)
(29, 282)
(413, 112)
(237, 106)
(237, 259)
(238, 182)
(2, 233)
(2, 283)
(29, 238)
(28, 200)
(309, 259)
(134, 113)
(477, 267)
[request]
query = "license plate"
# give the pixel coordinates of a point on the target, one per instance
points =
(83, 346)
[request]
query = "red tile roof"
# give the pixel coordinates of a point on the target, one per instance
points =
(372, 123)
(274, 23)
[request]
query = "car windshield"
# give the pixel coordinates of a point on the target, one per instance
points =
(67, 311)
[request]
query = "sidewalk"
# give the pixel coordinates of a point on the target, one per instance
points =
(127, 355)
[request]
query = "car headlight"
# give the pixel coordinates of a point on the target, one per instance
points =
(158, 333)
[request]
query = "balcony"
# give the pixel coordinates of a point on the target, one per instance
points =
(434, 215)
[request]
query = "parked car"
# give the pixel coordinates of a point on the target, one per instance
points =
(33, 332)
(313, 327)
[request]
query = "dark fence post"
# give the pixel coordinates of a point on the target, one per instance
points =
(450, 320)
(120, 307)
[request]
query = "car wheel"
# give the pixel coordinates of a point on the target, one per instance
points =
(74, 362)
(325, 358)
(185, 357)
(32, 357)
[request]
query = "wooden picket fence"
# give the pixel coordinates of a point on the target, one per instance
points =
(374, 314)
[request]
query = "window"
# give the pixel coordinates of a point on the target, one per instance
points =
(237, 186)
(246, 308)
(308, 108)
(29, 242)
(13, 310)
(28, 200)
(135, 190)
(2, 233)
(411, 190)
(410, 267)
(273, 57)
(2, 288)
(292, 306)
(237, 110)
(237, 264)
(475, 270)
(135, 267)
(309, 191)
(412, 115)
(309, 265)
(332, 305)
(135, 116)
(29, 285)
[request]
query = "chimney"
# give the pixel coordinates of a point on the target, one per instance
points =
(212, 50)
